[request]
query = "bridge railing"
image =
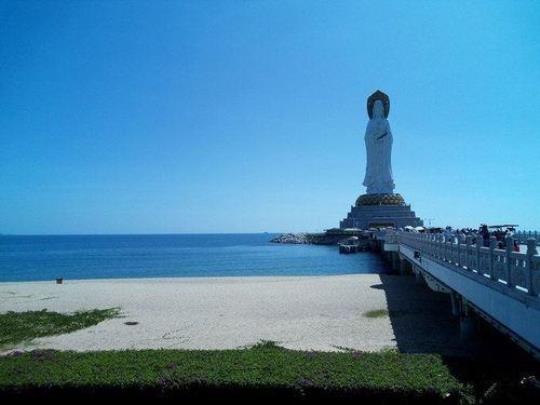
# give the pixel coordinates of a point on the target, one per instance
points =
(518, 271)
(523, 236)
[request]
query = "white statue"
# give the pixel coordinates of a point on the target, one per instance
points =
(378, 179)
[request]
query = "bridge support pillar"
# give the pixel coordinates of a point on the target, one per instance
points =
(405, 266)
(466, 327)
(454, 301)
(466, 323)
(394, 262)
(417, 274)
(401, 266)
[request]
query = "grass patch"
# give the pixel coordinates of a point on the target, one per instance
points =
(376, 313)
(16, 327)
(261, 367)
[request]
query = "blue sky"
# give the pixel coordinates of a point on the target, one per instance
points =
(249, 116)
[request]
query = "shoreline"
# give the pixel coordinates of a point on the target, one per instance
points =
(187, 278)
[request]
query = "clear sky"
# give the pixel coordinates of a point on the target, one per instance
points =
(249, 116)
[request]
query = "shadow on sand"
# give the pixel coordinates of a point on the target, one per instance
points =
(487, 360)
(421, 319)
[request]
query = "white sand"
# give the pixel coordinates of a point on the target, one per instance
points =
(319, 313)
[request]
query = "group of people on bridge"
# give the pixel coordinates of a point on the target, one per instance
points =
(483, 234)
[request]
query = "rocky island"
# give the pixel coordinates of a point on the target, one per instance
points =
(292, 238)
(329, 237)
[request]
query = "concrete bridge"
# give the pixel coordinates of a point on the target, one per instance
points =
(502, 286)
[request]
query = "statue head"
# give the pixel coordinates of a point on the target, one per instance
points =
(382, 100)
(378, 109)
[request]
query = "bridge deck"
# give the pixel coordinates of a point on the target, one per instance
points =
(501, 285)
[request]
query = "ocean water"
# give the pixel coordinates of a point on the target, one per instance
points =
(29, 258)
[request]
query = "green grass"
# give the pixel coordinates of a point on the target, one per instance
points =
(262, 366)
(377, 313)
(16, 327)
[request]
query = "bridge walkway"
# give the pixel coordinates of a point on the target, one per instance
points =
(502, 286)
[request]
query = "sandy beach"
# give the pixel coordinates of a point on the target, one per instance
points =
(324, 313)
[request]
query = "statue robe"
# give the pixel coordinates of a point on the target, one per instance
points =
(378, 138)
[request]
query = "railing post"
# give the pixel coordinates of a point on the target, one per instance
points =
(468, 242)
(509, 247)
(449, 250)
(492, 245)
(458, 261)
(479, 241)
(445, 249)
(531, 251)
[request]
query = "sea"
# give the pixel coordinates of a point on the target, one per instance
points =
(75, 257)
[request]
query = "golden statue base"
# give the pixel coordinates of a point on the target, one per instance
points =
(380, 199)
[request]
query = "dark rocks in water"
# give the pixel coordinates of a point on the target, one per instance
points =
(330, 237)
(291, 238)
